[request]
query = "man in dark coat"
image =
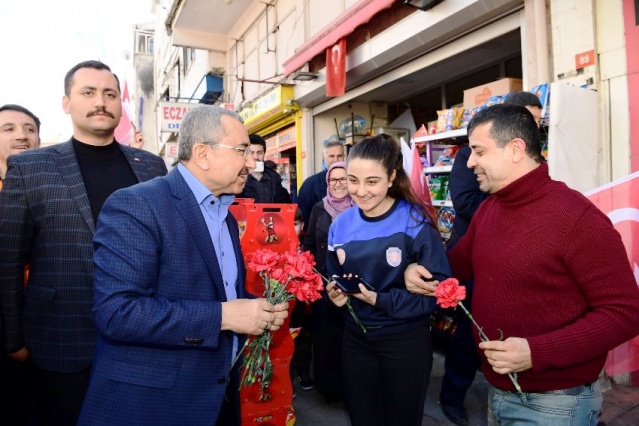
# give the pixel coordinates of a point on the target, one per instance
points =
(263, 185)
(49, 206)
(314, 187)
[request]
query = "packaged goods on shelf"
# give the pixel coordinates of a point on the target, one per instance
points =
(441, 120)
(445, 220)
(438, 186)
(468, 115)
(447, 158)
(449, 119)
(494, 100)
(421, 150)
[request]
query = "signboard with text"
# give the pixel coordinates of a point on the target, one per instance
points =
(171, 150)
(267, 106)
(172, 114)
(584, 59)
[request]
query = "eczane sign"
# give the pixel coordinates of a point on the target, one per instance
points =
(172, 114)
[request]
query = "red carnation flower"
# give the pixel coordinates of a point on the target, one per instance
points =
(449, 293)
(263, 260)
(295, 280)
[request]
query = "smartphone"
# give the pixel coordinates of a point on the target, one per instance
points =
(351, 285)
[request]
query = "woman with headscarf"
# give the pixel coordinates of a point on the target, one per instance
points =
(327, 320)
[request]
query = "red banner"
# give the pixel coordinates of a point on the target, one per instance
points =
(619, 200)
(124, 132)
(416, 173)
(336, 69)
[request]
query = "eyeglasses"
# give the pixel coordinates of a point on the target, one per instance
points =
(334, 182)
(245, 150)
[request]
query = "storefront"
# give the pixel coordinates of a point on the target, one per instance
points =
(423, 61)
(276, 117)
(428, 84)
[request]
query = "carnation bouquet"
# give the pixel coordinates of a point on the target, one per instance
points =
(286, 276)
(450, 294)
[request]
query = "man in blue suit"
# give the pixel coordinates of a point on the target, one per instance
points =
(48, 209)
(170, 304)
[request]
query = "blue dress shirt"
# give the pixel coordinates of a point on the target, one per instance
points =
(214, 211)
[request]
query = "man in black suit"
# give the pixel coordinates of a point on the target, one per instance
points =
(19, 132)
(48, 209)
(314, 187)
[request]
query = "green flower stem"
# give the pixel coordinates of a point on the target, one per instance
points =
(484, 338)
(482, 335)
(354, 315)
(348, 305)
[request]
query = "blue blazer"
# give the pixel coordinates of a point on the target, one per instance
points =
(161, 357)
(46, 221)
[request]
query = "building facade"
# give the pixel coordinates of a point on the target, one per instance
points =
(397, 57)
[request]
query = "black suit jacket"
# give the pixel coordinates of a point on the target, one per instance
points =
(268, 190)
(46, 221)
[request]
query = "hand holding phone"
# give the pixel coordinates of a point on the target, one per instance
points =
(350, 285)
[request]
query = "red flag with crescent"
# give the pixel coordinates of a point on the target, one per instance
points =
(336, 69)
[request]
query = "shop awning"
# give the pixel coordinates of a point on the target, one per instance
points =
(358, 14)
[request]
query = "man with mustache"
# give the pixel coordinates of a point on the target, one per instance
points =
(170, 305)
(48, 210)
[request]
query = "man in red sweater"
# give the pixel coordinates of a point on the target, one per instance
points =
(550, 272)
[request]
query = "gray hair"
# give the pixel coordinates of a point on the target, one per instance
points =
(202, 124)
(333, 142)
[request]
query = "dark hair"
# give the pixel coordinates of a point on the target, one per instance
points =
(386, 151)
(299, 215)
(255, 139)
(525, 99)
(18, 108)
(271, 165)
(510, 122)
(96, 65)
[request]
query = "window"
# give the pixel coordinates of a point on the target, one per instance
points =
(188, 55)
(144, 43)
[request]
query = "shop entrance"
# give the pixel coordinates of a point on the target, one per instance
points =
(442, 85)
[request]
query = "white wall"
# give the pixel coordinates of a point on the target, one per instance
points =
(164, 57)
(290, 24)
(582, 25)
(615, 116)
(573, 32)
(193, 75)
(256, 51)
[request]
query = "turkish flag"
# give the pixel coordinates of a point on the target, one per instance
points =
(619, 200)
(416, 174)
(336, 69)
(124, 131)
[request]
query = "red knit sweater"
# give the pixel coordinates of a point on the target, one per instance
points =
(549, 267)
